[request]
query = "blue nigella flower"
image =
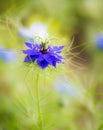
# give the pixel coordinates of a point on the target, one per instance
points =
(99, 41)
(43, 55)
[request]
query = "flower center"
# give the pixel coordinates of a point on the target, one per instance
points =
(43, 51)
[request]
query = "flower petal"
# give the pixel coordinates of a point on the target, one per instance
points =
(29, 52)
(50, 59)
(57, 49)
(29, 45)
(27, 59)
(54, 64)
(30, 58)
(43, 63)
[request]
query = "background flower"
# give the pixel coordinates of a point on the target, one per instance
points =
(99, 41)
(63, 87)
(7, 55)
(36, 29)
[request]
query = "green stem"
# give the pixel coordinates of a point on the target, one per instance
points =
(38, 104)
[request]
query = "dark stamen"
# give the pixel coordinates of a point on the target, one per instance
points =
(43, 51)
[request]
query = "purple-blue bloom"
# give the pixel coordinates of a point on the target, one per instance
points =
(99, 41)
(44, 56)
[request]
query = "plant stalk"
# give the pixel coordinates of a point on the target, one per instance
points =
(38, 104)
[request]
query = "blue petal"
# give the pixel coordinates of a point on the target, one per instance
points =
(29, 52)
(53, 59)
(29, 45)
(58, 57)
(50, 59)
(30, 58)
(33, 57)
(27, 59)
(57, 49)
(37, 46)
(43, 63)
(54, 64)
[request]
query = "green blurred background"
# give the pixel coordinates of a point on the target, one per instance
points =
(75, 23)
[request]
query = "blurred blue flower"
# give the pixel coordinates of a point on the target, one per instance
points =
(24, 32)
(36, 29)
(99, 41)
(42, 55)
(65, 88)
(7, 55)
